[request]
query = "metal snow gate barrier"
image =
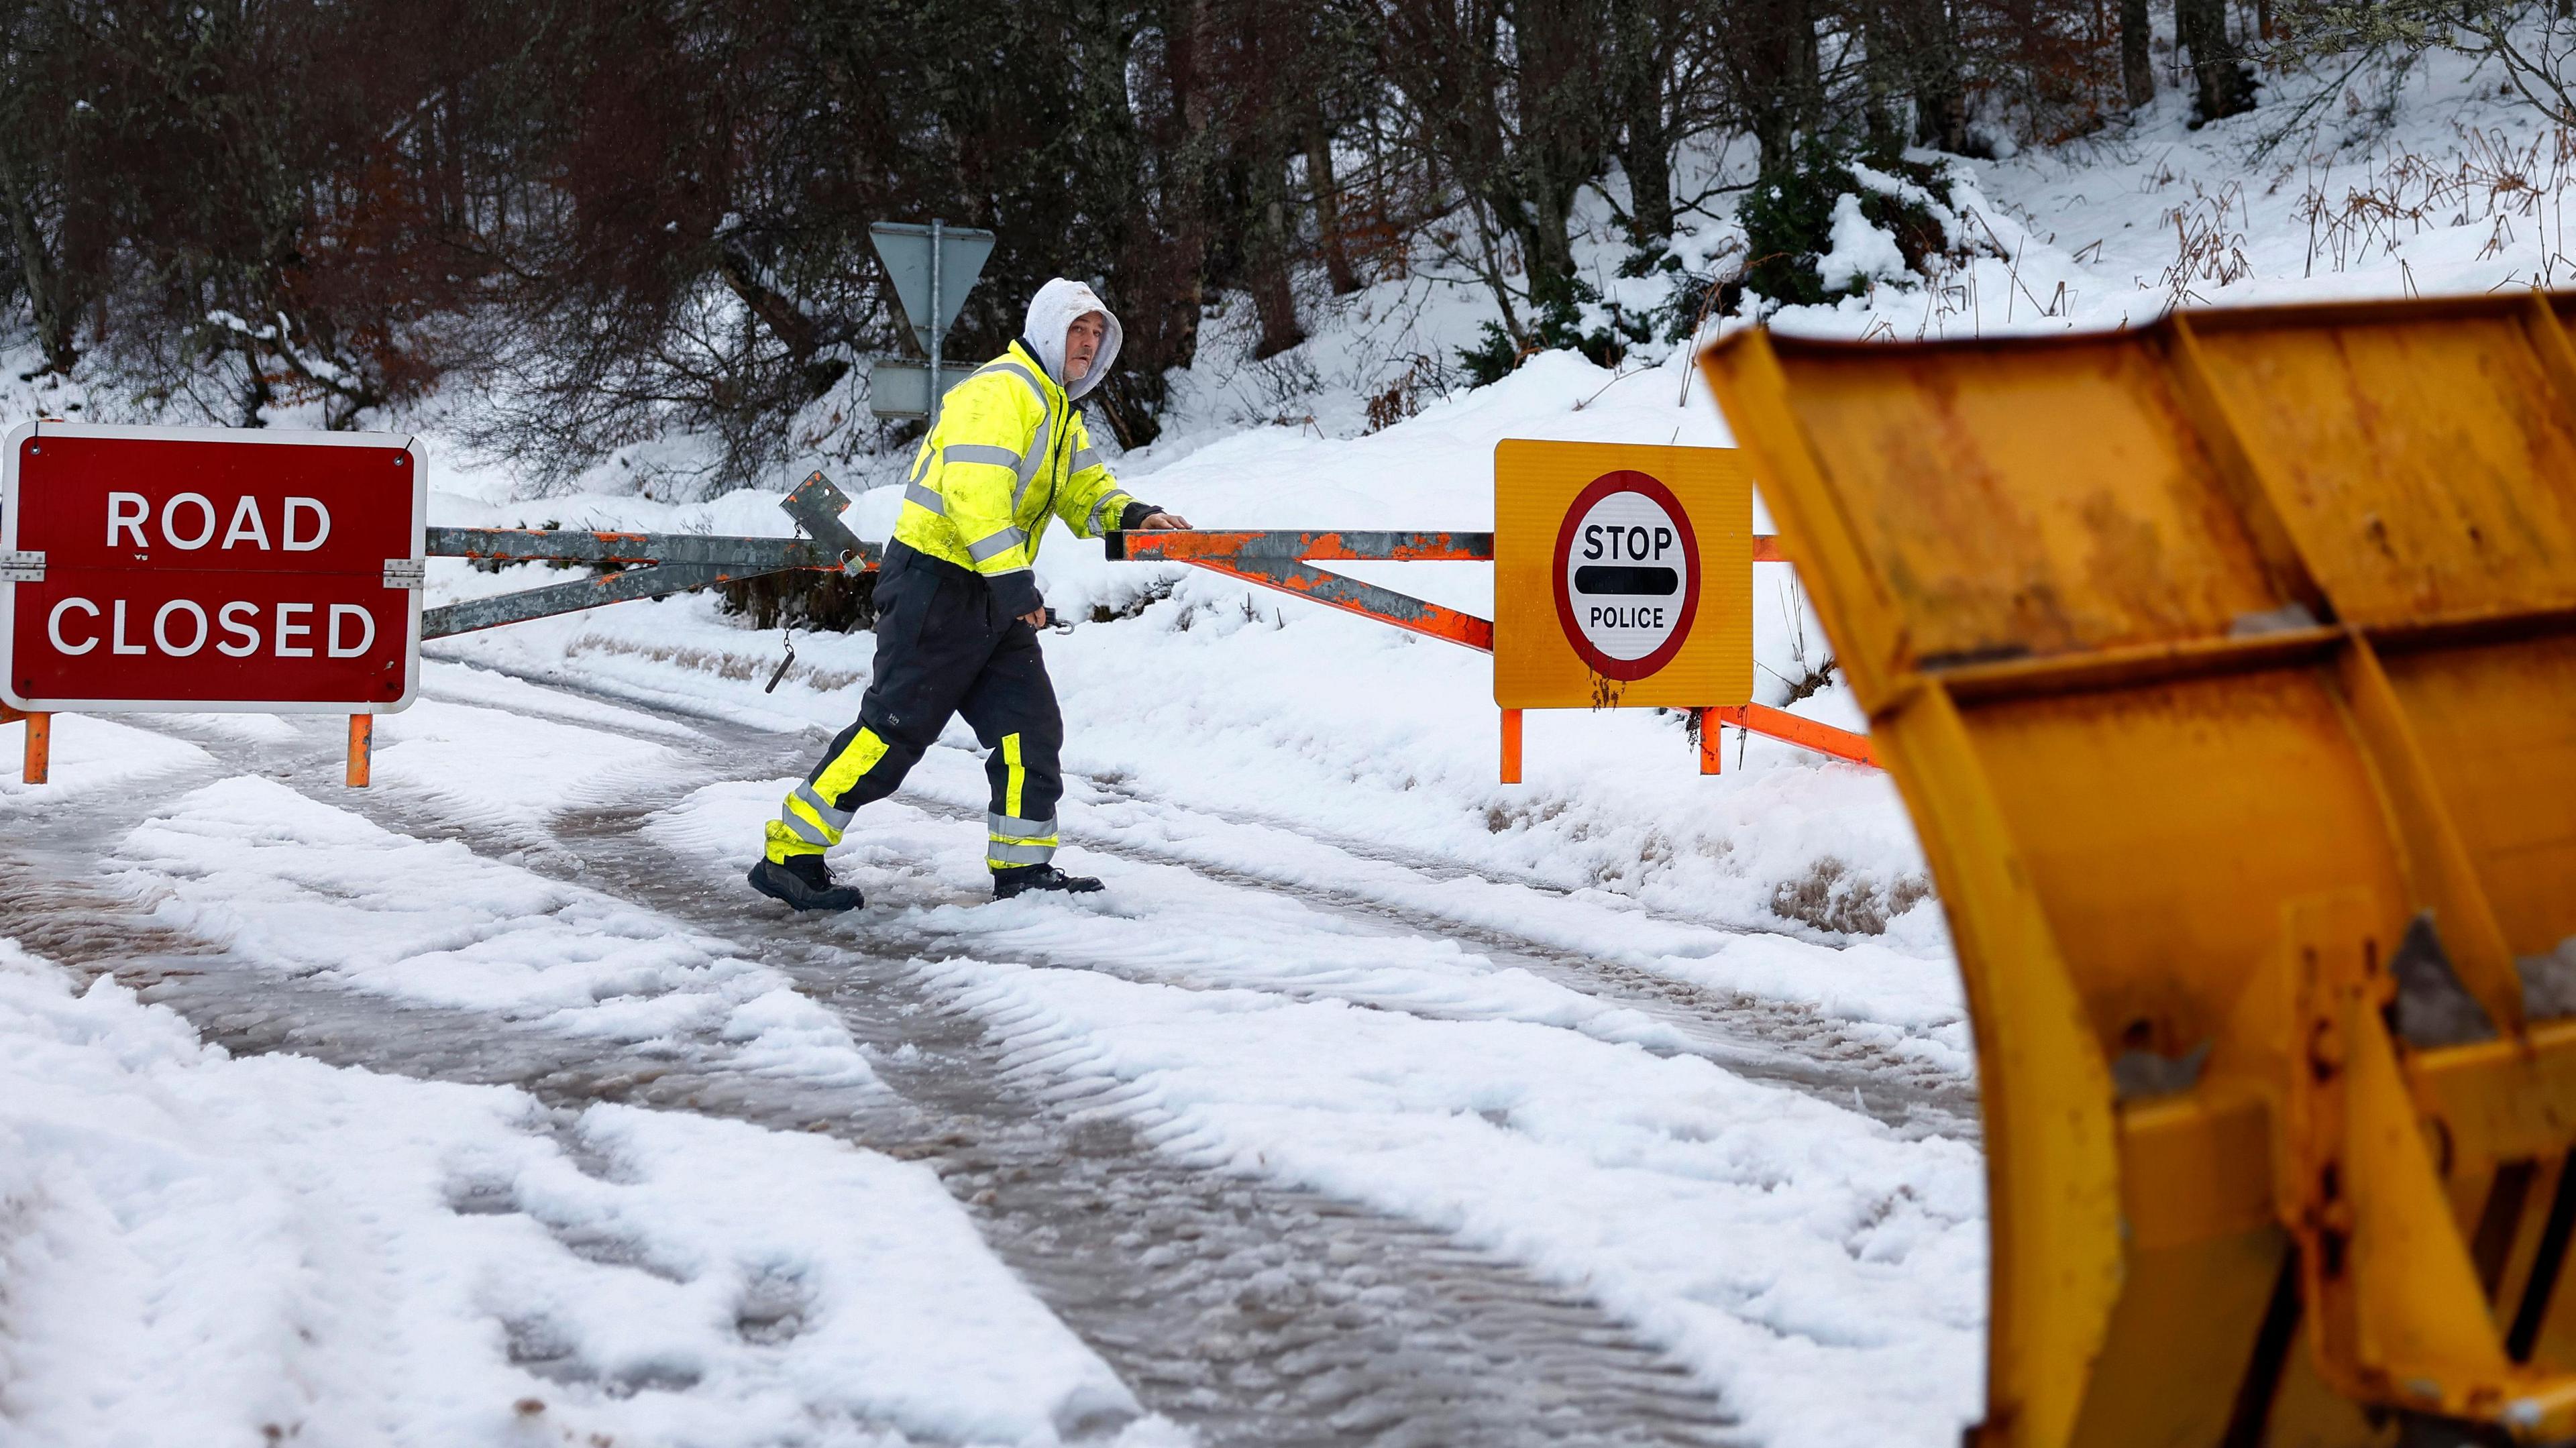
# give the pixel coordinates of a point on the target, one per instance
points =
(653, 565)
(1285, 560)
(677, 562)
(2228, 669)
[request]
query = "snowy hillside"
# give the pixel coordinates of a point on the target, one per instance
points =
(488, 1106)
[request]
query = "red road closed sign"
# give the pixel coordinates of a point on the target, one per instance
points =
(179, 568)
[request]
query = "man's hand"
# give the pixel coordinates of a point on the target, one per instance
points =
(1035, 618)
(1164, 522)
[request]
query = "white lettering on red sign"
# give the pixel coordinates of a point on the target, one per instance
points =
(129, 512)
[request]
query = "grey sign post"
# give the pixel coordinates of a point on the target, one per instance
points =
(933, 268)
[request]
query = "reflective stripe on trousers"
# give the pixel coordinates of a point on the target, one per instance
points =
(807, 824)
(1011, 841)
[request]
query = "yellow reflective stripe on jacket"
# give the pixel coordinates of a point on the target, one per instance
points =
(1106, 512)
(977, 452)
(1091, 500)
(995, 544)
(1037, 389)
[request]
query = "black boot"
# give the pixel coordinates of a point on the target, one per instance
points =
(804, 883)
(1022, 878)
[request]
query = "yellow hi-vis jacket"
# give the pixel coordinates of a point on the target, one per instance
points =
(1009, 450)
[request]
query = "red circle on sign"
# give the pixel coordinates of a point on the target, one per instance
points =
(1624, 481)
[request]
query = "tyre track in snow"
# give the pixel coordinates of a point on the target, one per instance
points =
(1252, 1313)
(1767, 1040)
(1762, 1040)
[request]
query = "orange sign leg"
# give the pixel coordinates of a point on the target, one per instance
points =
(40, 748)
(1712, 760)
(362, 749)
(1511, 746)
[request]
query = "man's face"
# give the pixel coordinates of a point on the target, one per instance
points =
(1082, 343)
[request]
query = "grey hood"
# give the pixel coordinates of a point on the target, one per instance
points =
(1054, 309)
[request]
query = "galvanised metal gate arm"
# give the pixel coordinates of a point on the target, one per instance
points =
(677, 562)
(741, 556)
(1280, 560)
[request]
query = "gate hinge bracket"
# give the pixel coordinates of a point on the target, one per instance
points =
(405, 572)
(20, 565)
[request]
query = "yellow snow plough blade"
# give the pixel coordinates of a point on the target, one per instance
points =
(2228, 668)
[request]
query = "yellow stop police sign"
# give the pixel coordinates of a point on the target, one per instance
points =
(1623, 576)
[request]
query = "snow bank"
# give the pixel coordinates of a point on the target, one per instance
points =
(203, 1251)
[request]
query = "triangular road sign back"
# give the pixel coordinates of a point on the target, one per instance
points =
(905, 250)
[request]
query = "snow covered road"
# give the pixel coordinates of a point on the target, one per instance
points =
(1288, 1138)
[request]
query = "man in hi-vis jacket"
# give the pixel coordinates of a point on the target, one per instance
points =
(958, 610)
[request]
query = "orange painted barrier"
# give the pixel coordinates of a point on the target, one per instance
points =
(1284, 560)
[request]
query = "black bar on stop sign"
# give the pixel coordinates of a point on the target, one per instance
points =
(1609, 578)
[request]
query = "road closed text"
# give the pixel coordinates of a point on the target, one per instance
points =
(187, 522)
(238, 629)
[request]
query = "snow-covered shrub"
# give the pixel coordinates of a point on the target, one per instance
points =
(1572, 321)
(1836, 220)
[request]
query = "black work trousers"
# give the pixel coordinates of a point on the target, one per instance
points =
(943, 647)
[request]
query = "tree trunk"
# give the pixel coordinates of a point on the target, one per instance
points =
(1643, 63)
(1328, 205)
(2137, 62)
(1779, 67)
(1882, 47)
(1650, 181)
(1560, 136)
(255, 394)
(56, 316)
(1931, 42)
(2224, 87)
(1268, 254)
(1162, 260)
(794, 330)
(1549, 244)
